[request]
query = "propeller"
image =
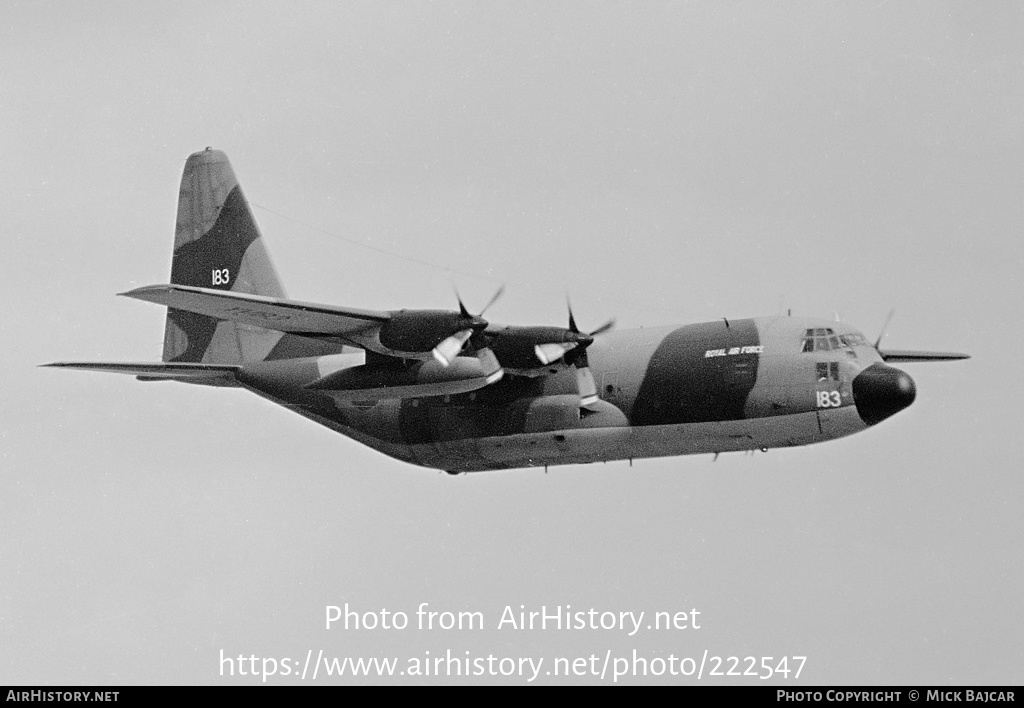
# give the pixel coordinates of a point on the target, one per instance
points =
(450, 347)
(552, 351)
(585, 384)
(885, 326)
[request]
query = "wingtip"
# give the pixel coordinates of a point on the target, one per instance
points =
(141, 288)
(146, 291)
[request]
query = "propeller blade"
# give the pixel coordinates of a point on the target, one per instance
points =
(464, 311)
(552, 351)
(884, 327)
(490, 364)
(603, 328)
(576, 330)
(494, 299)
(449, 348)
(462, 306)
(572, 320)
(586, 386)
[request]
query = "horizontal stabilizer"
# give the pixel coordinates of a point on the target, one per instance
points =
(267, 312)
(160, 370)
(911, 355)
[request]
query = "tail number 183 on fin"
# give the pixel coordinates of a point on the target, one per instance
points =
(220, 276)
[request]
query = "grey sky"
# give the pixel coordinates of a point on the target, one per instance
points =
(660, 162)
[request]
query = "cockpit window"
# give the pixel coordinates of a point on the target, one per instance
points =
(824, 339)
(819, 339)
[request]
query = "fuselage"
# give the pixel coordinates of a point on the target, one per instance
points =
(709, 387)
(451, 390)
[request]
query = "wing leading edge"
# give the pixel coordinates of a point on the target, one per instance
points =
(908, 355)
(156, 371)
(301, 318)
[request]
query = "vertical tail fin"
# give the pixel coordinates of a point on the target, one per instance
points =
(217, 245)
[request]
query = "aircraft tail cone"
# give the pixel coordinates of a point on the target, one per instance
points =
(881, 391)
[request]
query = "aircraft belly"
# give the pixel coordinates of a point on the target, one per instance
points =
(524, 450)
(625, 443)
(576, 445)
(725, 436)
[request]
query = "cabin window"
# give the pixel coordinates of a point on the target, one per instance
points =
(827, 371)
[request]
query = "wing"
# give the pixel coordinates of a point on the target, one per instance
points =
(912, 355)
(359, 327)
(157, 371)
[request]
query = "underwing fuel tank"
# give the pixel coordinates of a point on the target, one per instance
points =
(421, 378)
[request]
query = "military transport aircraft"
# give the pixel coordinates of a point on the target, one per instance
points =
(453, 391)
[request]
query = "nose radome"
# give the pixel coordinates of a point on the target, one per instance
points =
(881, 391)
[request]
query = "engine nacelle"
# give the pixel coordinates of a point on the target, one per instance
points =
(421, 378)
(515, 347)
(419, 331)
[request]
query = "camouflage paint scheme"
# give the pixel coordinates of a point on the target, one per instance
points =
(660, 395)
(700, 388)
